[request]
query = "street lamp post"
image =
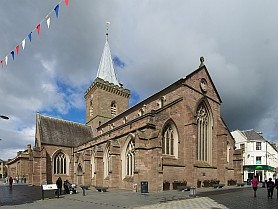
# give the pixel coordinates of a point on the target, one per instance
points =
(4, 117)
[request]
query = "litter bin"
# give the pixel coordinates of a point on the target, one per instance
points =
(144, 187)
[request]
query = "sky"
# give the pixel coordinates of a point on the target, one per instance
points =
(153, 43)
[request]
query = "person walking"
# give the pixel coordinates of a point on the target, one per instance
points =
(255, 183)
(270, 187)
(59, 184)
(11, 182)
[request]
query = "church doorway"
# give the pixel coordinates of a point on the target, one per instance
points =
(80, 179)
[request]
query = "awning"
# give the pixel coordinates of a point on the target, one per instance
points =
(258, 167)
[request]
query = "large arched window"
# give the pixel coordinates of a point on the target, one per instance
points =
(204, 133)
(60, 164)
(107, 161)
(128, 157)
(170, 140)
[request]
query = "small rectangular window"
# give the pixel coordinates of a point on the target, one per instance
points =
(258, 146)
(258, 160)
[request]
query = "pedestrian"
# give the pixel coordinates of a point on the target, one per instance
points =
(59, 184)
(255, 183)
(11, 182)
(276, 186)
(270, 187)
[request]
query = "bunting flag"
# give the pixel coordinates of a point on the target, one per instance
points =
(57, 10)
(30, 37)
(23, 44)
(38, 28)
(48, 21)
(12, 53)
(17, 49)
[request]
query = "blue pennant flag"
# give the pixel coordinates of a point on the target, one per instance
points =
(30, 36)
(57, 10)
(12, 53)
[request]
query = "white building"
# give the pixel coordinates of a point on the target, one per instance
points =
(260, 157)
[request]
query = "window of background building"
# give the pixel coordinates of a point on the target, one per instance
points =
(258, 146)
(258, 160)
(242, 146)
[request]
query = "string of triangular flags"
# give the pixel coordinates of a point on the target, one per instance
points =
(15, 51)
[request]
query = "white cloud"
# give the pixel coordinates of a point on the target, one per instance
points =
(159, 41)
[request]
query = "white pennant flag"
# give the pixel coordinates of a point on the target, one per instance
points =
(23, 44)
(6, 60)
(48, 21)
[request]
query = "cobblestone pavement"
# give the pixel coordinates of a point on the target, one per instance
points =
(24, 196)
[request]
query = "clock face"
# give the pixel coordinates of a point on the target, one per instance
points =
(204, 85)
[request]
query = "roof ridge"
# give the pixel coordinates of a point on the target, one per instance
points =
(68, 121)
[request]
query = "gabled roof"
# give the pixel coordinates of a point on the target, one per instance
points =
(58, 132)
(204, 68)
(106, 69)
(252, 135)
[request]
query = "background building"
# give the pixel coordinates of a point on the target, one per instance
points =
(3, 171)
(260, 157)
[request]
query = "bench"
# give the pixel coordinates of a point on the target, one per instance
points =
(218, 185)
(101, 189)
(240, 184)
(184, 188)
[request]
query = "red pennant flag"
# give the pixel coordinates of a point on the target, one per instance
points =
(39, 29)
(67, 2)
(16, 49)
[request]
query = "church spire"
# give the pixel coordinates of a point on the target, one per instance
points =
(106, 69)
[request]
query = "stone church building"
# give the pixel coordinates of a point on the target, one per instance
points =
(175, 135)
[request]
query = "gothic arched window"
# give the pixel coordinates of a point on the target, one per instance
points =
(113, 109)
(204, 133)
(128, 157)
(170, 140)
(107, 162)
(60, 164)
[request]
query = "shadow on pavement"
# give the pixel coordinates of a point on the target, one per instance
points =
(21, 194)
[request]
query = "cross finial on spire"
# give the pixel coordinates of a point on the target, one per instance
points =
(107, 28)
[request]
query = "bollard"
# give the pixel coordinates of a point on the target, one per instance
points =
(192, 192)
(83, 188)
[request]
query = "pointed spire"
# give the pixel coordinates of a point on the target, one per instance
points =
(106, 69)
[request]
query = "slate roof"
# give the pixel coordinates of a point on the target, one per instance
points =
(252, 135)
(59, 132)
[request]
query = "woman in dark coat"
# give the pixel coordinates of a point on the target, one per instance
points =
(59, 184)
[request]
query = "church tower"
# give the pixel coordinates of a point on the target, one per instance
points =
(105, 98)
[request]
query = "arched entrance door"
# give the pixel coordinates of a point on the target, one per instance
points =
(80, 180)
